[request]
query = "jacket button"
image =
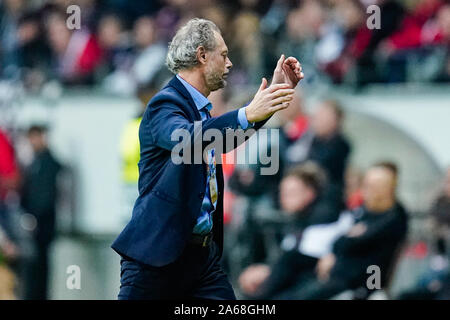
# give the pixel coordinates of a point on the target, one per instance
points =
(201, 195)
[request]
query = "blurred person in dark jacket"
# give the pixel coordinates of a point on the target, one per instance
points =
(367, 41)
(330, 148)
(324, 143)
(39, 194)
(33, 50)
(305, 201)
(293, 121)
(10, 13)
(369, 235)
(440, 215)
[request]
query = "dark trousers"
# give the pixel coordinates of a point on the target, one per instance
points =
(293, 277)
(314, 289)
(36, 273)
(196, 274)
(291, 266)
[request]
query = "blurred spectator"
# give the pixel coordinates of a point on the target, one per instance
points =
(302, 30)
(114, 42)
(245, 49)
(304, 203)
(440, 215)
(294, 122)
(142, 68)
(254, 188)
(434, 282)
(10, 11)
(130, 153)
(334, 49)
(9, 251)
(33, 52)
(334, 257)
(151, 52)
(77, 53)
(365, 46)
(441, 27)
(325, 144)
(39, 196)
(331, 38)
(133, 9)
(353, 188)
(9, 180)
(329, 147)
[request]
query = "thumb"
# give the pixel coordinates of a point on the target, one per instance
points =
(263, 84)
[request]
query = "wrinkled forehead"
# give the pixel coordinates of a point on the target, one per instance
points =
(220, 43)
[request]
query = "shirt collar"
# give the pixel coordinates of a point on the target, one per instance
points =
(199, 99)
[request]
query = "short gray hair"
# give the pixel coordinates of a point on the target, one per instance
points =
(182, 52)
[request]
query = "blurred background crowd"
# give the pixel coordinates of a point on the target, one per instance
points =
(356, 187)
(122, 45)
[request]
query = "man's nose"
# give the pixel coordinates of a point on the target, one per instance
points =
(229, 64)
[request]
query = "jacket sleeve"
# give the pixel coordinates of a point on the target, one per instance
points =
(391, 228)
(167, 123)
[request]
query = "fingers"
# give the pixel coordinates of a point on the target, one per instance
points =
(299, 70)
(293, 64)
(290, 61)
(281, 93)
(279, 107)
(283, 99)
(276, 87)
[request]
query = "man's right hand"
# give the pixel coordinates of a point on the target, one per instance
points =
(269, 100)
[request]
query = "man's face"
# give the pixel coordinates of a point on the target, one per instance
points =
(324, 121)
(295, 196)
(378, 185)
(37, 141)
(217, 65)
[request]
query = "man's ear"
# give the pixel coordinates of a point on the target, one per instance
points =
(201, 55)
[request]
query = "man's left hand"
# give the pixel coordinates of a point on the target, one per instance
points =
(289, 71)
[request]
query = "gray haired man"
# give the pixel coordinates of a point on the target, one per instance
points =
(172, 245)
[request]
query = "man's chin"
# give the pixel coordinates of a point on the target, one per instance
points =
(220, 85)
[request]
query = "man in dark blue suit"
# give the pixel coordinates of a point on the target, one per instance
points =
(172, 246)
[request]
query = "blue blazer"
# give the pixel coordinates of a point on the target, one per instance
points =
(170, 195)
